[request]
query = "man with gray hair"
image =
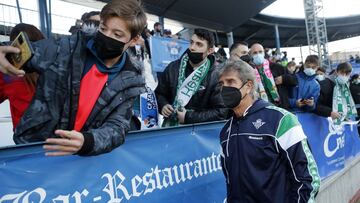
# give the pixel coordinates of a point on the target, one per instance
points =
(265, 154)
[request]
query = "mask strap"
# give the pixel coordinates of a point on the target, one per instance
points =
(242, 87)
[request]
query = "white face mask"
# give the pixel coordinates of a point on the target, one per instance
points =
(258, 59)
(342, 79)
(320, 77)
(309, 71)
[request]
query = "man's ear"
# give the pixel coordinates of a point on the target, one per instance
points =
(134, 40)
(210, 50)
(250, 84)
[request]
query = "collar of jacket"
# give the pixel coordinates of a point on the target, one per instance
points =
(256, 106)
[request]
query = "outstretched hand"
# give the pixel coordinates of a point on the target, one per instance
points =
(69, 143)
(5, 65)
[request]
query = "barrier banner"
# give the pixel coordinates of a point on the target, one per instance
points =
(165, 50)
(169, 165)
(331, 144)
(179, 164)
(173, 165)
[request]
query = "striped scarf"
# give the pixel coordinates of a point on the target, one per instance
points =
(343, 102)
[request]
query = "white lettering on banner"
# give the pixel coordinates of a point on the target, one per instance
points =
(113, 191)
(41, 192)
(117, 190)
(61, 198)
(340, 141)
(161, 178)
(14, 197)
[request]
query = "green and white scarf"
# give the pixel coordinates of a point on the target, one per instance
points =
(186, 87)
(343, 102)
(266, 84)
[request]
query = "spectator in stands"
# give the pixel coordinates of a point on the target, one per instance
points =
(273, 79)
(240, 50)
(221, 52)
(157, 30)
(284, 59)
(86, 87)
(305, 95)
(187, 90)
(324, 103)
(332, 100)
(320, 75)
(357, 58)
(355, 90)
(20, 91)
(265, 155)
(291, 67)
(167, 33)
(343, 102)
(351, 59)
(90, 22)
(146, 34)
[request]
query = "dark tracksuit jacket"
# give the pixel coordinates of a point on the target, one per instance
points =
(266, 158)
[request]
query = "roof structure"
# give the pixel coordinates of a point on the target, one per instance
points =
(292, 31)
(212, 14)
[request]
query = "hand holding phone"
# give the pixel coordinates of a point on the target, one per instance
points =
(26, 52)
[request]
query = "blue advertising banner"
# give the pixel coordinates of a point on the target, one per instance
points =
(331, 144)
(165, 50)
(169, 165)
(179, 164)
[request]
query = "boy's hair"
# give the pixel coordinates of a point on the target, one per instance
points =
(291, 63)
(156, 24)
(88, 15)
(237, 44)
(344, 67)
(131, 11)
(314, 59)
(205, 35)
(321, 69)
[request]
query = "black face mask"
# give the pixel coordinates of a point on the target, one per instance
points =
(246, 58)
(195, 57)
(107, 47)
(231, 96)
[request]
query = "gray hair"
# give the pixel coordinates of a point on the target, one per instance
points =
(245, 71)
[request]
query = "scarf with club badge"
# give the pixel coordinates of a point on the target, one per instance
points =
(186, 88)
(266, 84)
(343, 102)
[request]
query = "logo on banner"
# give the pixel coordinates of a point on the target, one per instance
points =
(335, 131)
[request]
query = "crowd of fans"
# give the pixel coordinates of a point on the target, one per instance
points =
(79, 92)
(304, 87)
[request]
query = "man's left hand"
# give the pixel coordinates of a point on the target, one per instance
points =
(181, 116)
(69, 143)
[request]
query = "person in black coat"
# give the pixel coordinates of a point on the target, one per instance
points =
(206, 103)
(324, 104)
(355, 90)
